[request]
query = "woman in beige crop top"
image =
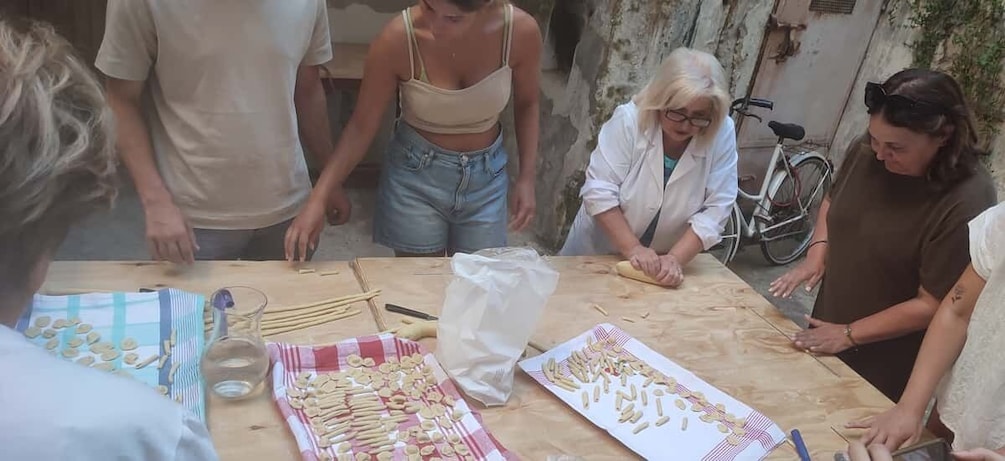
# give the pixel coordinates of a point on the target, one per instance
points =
(455, 65)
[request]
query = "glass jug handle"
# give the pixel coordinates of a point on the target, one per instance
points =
(221, 300)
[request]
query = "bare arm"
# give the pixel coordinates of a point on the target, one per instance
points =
(312, 113)
(376, 91)
(526, 84)
(526, 65)
(168, 234)
(616, 227)
(379, 83)
(812, 269)
(818, 253)
(898, 320)
(134, 140)
(687, 247)
(943, 341)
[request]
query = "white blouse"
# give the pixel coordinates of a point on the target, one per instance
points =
(971, 397)
(626, 170)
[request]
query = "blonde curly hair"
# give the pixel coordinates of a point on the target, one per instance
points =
(57, 161)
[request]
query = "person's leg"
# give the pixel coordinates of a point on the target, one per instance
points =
(409, 216)
(267, 244)
(216, 245)
(480, 217)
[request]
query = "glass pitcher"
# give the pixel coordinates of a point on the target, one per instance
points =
(235, 362)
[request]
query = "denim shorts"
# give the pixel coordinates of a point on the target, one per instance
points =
(432, 200)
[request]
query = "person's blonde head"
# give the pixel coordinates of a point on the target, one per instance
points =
(56, 148)
(684, 76)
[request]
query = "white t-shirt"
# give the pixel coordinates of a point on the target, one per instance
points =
(221, 76)
(52, 409)
(972, 396)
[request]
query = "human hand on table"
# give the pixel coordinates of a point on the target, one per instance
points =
(169, 236)
(822, 338)
(644, 259)
(522, 204)
(671, 273)
(810, 272)
(305, 230)
(892, 428)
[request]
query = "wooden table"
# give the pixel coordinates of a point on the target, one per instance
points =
(715, 325)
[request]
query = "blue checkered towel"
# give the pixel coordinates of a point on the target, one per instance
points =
(149, 319)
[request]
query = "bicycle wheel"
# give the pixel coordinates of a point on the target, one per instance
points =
(792, 206)
(725, 250)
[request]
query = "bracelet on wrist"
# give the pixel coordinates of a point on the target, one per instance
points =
(847, 332)
(814, 243)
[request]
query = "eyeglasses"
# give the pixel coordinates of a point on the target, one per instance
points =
(876, 97)
(678, 116)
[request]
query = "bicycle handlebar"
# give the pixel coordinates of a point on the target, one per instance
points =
(741, 106)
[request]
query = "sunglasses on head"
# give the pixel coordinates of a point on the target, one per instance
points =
(876, 98)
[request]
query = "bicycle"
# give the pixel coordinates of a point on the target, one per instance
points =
(783, 215)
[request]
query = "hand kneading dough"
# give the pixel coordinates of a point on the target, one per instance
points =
(626, 270)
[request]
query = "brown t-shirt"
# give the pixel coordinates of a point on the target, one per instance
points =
(888, 234)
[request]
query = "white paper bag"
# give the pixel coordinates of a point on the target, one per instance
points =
(491, 309)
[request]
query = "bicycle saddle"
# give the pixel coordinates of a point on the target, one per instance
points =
(787, 130)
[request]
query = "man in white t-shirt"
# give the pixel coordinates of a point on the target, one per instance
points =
(57, 165)
(214, 150)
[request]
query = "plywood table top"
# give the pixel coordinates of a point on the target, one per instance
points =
(715, 325)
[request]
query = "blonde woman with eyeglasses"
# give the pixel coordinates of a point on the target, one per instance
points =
(662, 180)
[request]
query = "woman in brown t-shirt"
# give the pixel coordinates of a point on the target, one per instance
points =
(892, 235)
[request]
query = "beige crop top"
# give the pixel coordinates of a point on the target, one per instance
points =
(474, 109)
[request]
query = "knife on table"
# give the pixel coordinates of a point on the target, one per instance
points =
(409, 312)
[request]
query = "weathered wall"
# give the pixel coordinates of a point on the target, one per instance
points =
(621, 45)
(889, 52)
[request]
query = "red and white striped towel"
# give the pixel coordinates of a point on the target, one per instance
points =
(289, 360)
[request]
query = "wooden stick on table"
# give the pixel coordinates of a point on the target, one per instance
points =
(364, 284)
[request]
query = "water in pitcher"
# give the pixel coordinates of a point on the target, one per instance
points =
(233, 368)
(236, 362)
